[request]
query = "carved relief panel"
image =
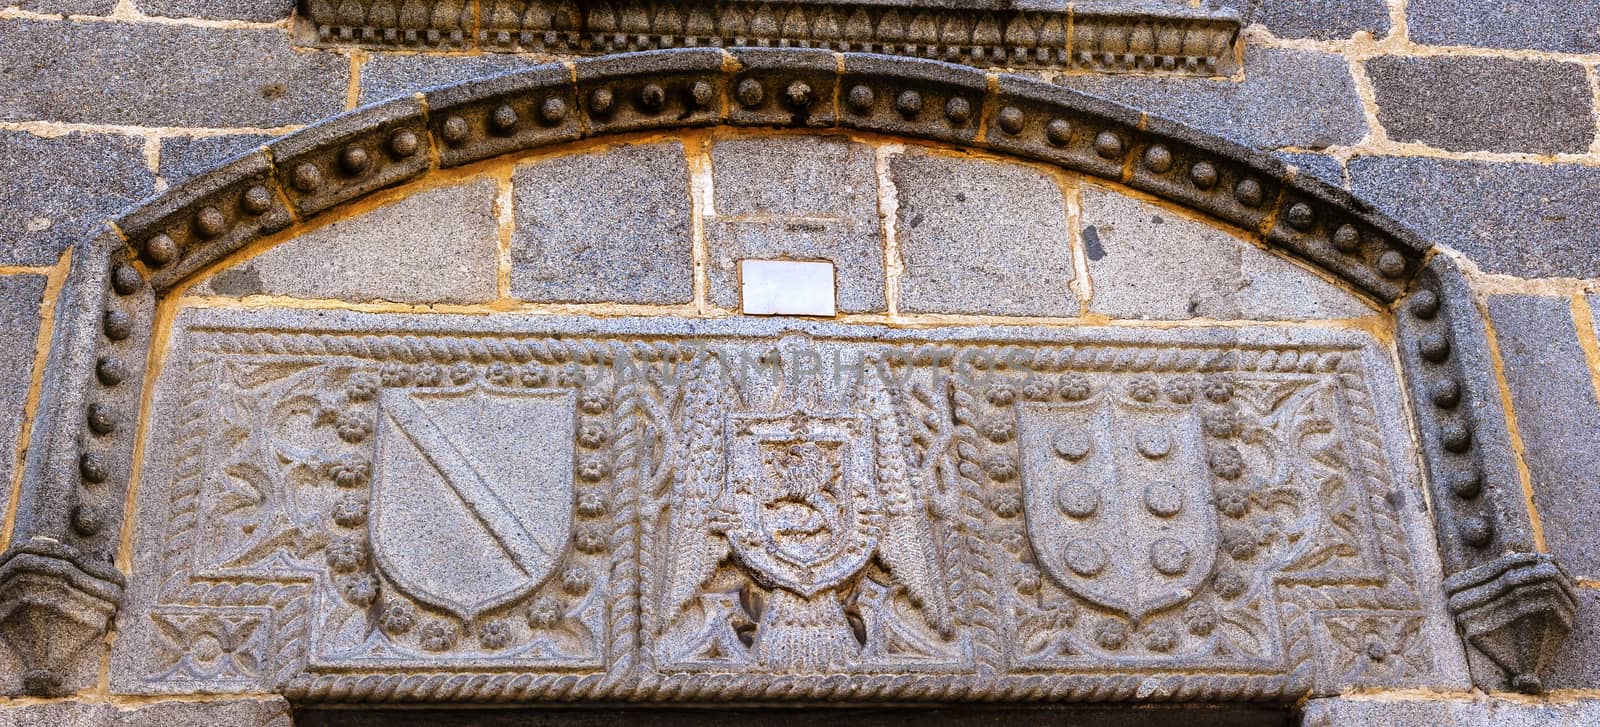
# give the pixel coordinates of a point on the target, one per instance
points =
(426, 508)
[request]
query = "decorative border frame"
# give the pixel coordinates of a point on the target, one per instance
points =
(1095, 35)
(1512, 603)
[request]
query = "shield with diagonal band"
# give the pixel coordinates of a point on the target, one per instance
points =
(472, 493)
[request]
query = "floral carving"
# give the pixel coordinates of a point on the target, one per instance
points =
(958, 449)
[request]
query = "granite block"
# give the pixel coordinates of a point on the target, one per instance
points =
(185, 156)
(435, 246)
(65, 7)
(1463, 103)
(1576, 665)
(260, 11)
(21, 301)
(56, 189)
(798, 198)
(386, 76)
(160, 74)
(1147, 263)
(1528, 220)
(1428, 711)
(981, 237)
(1325, 168)
(1287, 98)
(1571, 26)
(610, 225)
(1558, 416)
(1323, 19)
(233, 712)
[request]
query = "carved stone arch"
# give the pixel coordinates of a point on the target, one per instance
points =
(58, 585)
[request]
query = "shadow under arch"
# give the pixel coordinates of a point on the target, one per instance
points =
(1512, 602)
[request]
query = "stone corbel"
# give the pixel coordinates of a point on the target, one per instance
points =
(1513, 605)
(58, 586)
(1515, 611)
(54, 605)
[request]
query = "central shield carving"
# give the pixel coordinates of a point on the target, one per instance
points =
(472, 501)
(805, 498)
(1118, 501)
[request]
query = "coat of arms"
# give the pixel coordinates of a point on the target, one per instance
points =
(803, 501)
(1118, 501)
(461, 521)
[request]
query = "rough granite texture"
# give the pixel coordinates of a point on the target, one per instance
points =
(1484, 104)
(1323, 19)
(386, 76)
(1288, 98)
(21, 297)
(185, 156)
(980, 237)
(439, 245)
(56, 189)
(260, 11)
(158, 74)
(1148, 263)
(1577, 664)
(1571, 26)
(610, 225)
(1322, 167)
(1529, 220)
(1420, 711)
(1559, 420)
(65, 7)
(237, 712)
(800, 198)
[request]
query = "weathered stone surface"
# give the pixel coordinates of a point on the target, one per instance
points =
(1146, 262)
(1577, 664)
(1529, 220)
(978, 236)
(1322, 167)
(1195, 40)
(21, 301)
(721, 466)
(56, 189)
(1385, 711)
(1323, 19)
(1557, 25)
(1465, 103)
(610, 225)
(233, 712)
(65, 7)
(260, 11)
(1288, 98)
(159, 74)
(185, 156)
(800, 198)
(1558, 417)
(387, 75)
(435, 246)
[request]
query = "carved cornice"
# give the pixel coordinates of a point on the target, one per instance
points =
(78, 458)
(1095, 36)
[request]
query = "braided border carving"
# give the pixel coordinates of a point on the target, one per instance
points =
(1383, 584)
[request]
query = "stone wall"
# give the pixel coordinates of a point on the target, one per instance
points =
(1472, 121)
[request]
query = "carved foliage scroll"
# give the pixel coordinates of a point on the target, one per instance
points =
(420, 517)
